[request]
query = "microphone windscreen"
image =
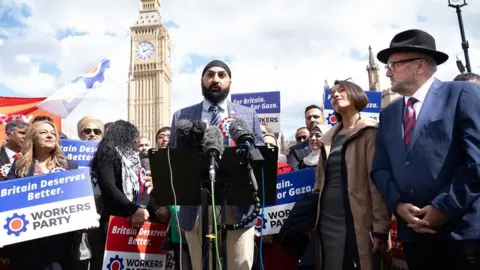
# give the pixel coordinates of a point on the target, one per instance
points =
(144, 160)
(239, 128)
(183, 135)
(213, 140)
(198, 131)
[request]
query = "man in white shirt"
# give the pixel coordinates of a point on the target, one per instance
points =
(15, 136)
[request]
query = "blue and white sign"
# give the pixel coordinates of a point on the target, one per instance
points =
(80, 152)
(265, 104)
(372, 110)
(45, 205)
(290, 188)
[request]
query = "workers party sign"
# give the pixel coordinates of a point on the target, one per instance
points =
(372, 110)
(129, 248)
(45, 205)
(80, 152)
(291, 187)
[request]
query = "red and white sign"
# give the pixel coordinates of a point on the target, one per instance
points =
(399, 262)
(129, 248)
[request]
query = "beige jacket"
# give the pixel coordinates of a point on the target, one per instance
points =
(368, 209)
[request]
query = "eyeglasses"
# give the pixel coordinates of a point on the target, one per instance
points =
(391, 66)
(301, 138)
(88, 131)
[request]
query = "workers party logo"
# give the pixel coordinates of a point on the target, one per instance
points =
(332, 119)
(16, 224)
(4, 170)
(260, 223)
(96, 74)
(225, 125)
(116, 263)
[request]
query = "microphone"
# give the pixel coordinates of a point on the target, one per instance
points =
(244, 138)
(212, 145)
(198, 131)
(183, 133)
(144, 160)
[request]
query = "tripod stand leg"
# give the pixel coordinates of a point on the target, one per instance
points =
(205, 230)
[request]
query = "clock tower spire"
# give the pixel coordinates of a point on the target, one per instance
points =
(150, 73)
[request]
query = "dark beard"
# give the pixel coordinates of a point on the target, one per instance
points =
(215, 97)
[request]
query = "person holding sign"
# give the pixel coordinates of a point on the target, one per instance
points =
(352, 219)
(122, 180)
(41, 154)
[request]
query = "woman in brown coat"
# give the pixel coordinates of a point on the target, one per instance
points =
(352, 220)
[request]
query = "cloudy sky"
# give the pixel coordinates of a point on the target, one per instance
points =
(270, 45)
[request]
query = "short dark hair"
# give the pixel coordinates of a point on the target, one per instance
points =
(298, 129)
(313, 106)
(163, 129)
(108, 125)
(355, 94)
(42, 118)
(10, 127)
(62, 135)
(467, 77)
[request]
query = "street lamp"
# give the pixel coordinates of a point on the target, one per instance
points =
(458, 4)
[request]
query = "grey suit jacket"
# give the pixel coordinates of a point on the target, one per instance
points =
(188, 214)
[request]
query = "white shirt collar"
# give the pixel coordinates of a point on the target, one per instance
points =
(222, 105)
(422, 92)
(9, 152)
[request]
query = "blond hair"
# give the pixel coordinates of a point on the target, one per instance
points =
(24, 164)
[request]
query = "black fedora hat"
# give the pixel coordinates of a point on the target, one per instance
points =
(413, 41)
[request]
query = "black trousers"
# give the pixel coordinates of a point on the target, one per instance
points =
(433, 254)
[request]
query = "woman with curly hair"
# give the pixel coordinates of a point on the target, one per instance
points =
(41, 154)
(116, 166)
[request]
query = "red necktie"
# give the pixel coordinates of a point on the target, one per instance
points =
(17, 156)
(409, 121)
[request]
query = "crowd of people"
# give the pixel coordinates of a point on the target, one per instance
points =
(419, 164)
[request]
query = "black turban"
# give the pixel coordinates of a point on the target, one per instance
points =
(217, 63)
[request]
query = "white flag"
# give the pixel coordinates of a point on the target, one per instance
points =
(102, 80)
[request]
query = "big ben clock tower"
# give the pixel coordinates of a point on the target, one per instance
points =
(150, 73)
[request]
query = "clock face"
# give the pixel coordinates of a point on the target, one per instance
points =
(145, 50)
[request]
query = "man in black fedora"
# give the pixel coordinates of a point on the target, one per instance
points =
(427, 159)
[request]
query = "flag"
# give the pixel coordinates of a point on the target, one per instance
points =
(100, 81)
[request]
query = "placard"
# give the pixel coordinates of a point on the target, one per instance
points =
(291, 187)
(80, 152)
(45, 205)
(130, 248)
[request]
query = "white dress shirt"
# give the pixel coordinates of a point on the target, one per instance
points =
(207, 115)
(10, 154)
(420, 96)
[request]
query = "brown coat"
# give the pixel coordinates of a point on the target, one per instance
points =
(368, 209)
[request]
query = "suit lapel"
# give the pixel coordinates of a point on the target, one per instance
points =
(396, 126)
(428, 110)
(232, 109)
(3, 156)
(197, 112)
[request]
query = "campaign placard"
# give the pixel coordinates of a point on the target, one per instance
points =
(130, 248)
(290, 188)
(44, 205)
(265, 104)
(373, 109)
(80, 152)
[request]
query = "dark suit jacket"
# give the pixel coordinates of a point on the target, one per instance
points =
(39, 253)
(297, 153)
(3, 156)
(440, 166)
(188, 214)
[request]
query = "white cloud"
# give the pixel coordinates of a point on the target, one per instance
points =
(274, 45)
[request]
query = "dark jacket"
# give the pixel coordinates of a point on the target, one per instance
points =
(115, 203)
(297, 153)
(40, 253)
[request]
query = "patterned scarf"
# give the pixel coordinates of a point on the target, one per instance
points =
(130, 168)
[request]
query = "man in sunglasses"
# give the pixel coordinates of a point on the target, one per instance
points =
(90, 129)
(313, 116)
